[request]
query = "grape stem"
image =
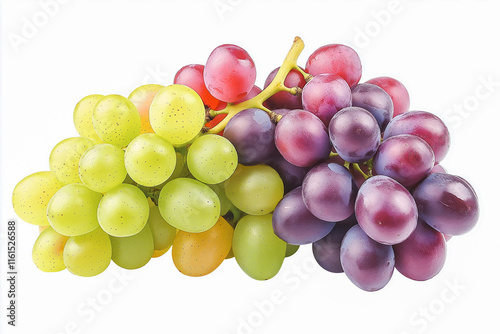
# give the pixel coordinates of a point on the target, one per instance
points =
(277, 85)
(356, 167)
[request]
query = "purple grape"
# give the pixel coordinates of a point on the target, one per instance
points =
(251, 131)
(326, 94)
(448, 203)
(375, 100)
(354, 134)
(438, 169)
(407, 159)
(368, 264)
(284, 99)
(326, 251)
(291, 175)
(425, 125)
(385, 210)
(422, 255)
(329, 192)
(293, 223)
(302, 138)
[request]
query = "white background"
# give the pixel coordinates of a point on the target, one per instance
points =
(443, 51)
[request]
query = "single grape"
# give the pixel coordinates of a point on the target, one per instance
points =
(329, 192)
(225, 203)
(291, 175)
(396, 90)
(192, 76)
(335, 59)
(82, 117)
(212, 159)
(142, 97)
(425, 125)
(116, 120)
(291, 249)
(133, 252)
(65, 157)
(255, 190)
(229, 73)
(73, 210)
(88, 254)
(189, 205)
(150, 159)
(325, 95)
(284, 99)
(293, 223)
(405, 158)
(302, 138)
(368, 264)
(177, 113)
(448, 203)
(326, 251)
(123, 211)
(258, 251)
(375, 100)
(48, 249)
(354, 134)
(163, 233)
(199, 254)
(438, 169)
(385, 210)
(422, 255)
(32, 195)
(251, 131)
(102, 167)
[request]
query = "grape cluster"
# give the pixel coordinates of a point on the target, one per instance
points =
(215, 167)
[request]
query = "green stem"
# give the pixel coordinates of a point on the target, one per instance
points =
(274, 87)
(356, 167)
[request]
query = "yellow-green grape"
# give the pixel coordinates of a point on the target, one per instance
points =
(150, 159)
(225, 204)
(291, 249)
(32, 195)
(48, 249)
(255, 190)
(65, 157)
(123, 211)
(181, 169)
(88, 254)
(102, 167)
(73, 210)
(189, 205)
(133, 252)
(177, 113)
(258, 251)
(82, 117)
(212, 159)
(163, 232)
(142, 97)
(116, 120)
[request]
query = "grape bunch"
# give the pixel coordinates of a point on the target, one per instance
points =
(214, 167)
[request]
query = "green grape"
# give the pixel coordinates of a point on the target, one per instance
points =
(88, 254)
(177, 113)
(255, 190)
(32, 195)
(135, 251)
(212, 159)
(163, 232)
(142, 97)
(65, 157)
(102, 167)
(123, 211)
(48, 249)
(225, 204)
(82, 117)
(150, 159)
(258, 251)
(291, 249)
(73, 210)
(234, 215)
(116, 120)
(180, 169)
(189, 205)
